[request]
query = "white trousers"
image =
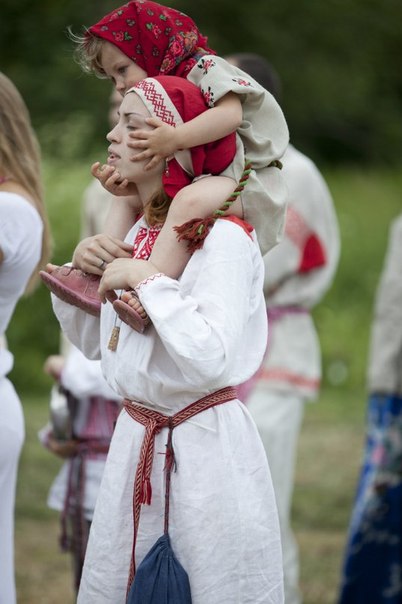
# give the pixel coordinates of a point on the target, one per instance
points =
(11, 440)
(279, 417)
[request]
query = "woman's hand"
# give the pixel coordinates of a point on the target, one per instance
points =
(157, 144)
(54, 365)
(94, 253)
(125, 273)
(62, 448)
(111, 180)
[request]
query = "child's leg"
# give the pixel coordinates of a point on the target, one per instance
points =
(198, 200)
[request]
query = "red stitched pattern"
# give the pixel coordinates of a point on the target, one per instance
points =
(148, 280)
(241, 82)
(208, 96)
(205, 65)
(144, 242)
(157, 100)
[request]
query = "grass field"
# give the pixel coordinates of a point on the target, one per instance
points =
(333, 431)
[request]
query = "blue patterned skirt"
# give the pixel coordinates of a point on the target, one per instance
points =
(372, 572)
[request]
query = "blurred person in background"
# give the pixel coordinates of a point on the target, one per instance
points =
(372, 572)
(87, 409)
(298, 272)
(24, 248)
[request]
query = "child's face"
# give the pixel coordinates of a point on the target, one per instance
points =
(132, 114)
(123, 72)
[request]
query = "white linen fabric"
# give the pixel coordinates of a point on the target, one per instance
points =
(262, 138)
(208, 331)
(385, 358)
(20, 242)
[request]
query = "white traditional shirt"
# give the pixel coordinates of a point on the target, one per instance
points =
(21, 243)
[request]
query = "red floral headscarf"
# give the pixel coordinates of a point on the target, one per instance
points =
(159, 39)
(175, 100)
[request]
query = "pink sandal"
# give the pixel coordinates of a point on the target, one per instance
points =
(74, 287)
(130, 316)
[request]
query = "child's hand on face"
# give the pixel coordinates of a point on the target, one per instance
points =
(111, 180)
(157, 144)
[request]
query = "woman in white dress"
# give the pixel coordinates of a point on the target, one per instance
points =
(24, 246)
(208, 334)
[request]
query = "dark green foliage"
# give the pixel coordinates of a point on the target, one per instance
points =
(338, 59)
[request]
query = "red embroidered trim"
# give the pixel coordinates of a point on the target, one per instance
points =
(157, 100)
(144, 242)
(148, 280)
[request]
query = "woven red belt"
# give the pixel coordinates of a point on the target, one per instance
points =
(154, 422)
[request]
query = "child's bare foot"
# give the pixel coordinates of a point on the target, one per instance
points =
(131, 311)
(132, 300)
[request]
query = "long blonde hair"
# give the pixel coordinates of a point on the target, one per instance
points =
(20, 157)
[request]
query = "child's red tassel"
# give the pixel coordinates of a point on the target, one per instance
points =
(194, 232)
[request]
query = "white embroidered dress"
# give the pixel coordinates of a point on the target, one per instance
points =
(209, 331)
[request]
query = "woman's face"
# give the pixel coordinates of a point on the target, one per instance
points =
(123, 72)
(132, 114)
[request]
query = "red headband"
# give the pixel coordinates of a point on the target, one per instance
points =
(175, 100)
(159, 39)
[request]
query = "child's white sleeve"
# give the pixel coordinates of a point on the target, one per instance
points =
(263, 131)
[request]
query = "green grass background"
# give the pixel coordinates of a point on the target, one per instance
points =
(333, 432)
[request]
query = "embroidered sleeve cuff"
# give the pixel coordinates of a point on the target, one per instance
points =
(139, 287)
